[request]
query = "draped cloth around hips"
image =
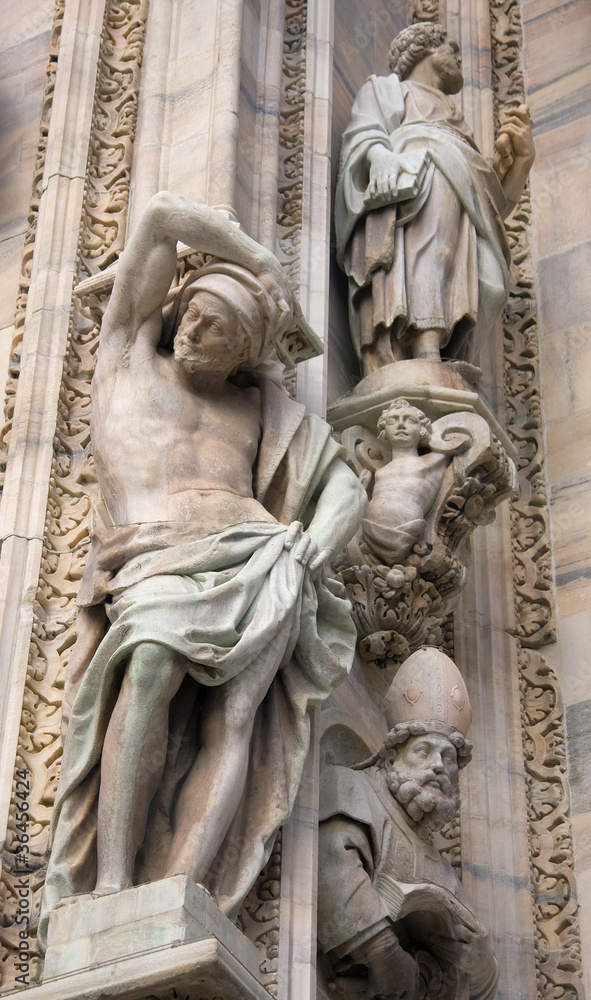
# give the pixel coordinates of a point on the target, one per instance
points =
(239, 607)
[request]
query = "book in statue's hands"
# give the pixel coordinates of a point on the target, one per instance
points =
(412, 168)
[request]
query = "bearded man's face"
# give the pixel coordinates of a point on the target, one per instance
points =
(422, 775)
(209, 337)
(447, 62)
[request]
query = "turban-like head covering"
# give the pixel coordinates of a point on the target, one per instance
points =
(264, 304)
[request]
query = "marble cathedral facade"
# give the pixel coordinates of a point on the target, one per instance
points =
(241, 105)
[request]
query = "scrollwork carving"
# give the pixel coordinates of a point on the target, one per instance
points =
(558, 945)
(72, 478)
(558, 949)
(291, 139)
(259, 918)
(113, 132)
(531, 554)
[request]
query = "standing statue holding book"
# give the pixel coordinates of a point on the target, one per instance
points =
(419, 211)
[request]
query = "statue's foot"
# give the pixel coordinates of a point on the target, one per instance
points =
(79, 897)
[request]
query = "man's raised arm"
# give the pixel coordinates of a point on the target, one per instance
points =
(148, 263)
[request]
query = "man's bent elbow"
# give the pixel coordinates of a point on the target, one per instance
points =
(160, 208)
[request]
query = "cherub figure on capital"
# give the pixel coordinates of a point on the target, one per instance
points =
(404, 483)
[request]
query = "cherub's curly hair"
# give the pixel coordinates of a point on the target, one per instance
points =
(412, 44)
(403, 404)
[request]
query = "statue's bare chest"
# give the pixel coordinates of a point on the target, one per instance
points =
(151, 428)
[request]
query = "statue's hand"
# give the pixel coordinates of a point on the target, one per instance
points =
(503, 158)
(383, 175)
(393, 973)
(514, 151)
(517, 125)
(305, 549)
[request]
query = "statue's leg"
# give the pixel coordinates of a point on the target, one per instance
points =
(134, 753)
(213, 788)
(441, 255)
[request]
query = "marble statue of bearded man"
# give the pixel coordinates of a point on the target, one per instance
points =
(419, 211)
(209, 620)
(391, 908)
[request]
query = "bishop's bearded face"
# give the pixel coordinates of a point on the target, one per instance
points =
(422, 775)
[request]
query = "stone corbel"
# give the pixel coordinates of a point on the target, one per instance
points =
(406, 567)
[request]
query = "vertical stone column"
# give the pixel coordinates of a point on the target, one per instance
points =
(471, 24)
(188, 114)
(495, 850)
(297, 955)
(45, 337)
(299, 885)
(208, 123)
(266, 70)
(561, 241)
(316, 197)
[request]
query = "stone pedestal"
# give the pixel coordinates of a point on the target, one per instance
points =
(438, 388)
(148, 942)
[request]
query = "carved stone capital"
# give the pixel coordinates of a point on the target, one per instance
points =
(435, 464)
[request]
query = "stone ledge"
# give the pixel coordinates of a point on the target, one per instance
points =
(146, 941)
(200, 970)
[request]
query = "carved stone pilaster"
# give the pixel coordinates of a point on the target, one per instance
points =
(530, 516)
(558, 948)
(111, 142)
(558, 944)
(291, 139)
(72, 478)
(14, 361)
